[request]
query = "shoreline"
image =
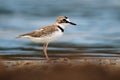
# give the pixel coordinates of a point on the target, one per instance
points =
(84, 68)
(113, 61)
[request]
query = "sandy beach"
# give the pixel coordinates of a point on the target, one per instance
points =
(115, 61)
(85, 68)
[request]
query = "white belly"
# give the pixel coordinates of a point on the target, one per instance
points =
(48, 38)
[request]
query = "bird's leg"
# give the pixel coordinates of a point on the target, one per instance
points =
(45, 50)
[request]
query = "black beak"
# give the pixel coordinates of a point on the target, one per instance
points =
(72, 23)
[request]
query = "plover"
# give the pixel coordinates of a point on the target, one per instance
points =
(48, 33)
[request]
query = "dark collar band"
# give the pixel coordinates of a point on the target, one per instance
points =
(61, 28)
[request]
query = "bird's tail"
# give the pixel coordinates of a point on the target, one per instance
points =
(23, 36)
(19, 36)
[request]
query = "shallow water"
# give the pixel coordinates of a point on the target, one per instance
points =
(96, 34)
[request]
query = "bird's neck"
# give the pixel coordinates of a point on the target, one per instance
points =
(63, 25)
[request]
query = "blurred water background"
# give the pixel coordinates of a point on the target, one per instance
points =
(97, 32)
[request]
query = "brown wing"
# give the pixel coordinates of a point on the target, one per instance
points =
(41, 32)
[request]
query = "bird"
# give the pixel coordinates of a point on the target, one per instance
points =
(48, 33)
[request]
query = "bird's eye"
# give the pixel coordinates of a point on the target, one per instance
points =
(64, 19)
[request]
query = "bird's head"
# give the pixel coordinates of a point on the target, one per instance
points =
(64, 21)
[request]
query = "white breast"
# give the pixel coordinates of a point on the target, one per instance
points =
(48, 38)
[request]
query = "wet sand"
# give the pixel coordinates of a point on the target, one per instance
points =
(94, 60)
(84, 68)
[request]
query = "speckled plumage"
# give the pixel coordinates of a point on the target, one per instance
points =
(42, 32)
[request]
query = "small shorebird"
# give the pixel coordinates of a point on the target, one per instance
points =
(49, 33)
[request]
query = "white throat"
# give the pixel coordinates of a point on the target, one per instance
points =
(63, 25)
